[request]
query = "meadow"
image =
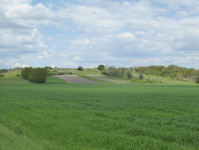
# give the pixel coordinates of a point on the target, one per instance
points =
(60, 116)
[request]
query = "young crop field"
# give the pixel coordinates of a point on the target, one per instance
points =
(60, 116)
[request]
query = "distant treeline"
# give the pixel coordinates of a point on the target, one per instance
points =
(172, 71)
(4, 70)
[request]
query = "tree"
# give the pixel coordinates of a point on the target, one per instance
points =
(80, 68)
(197, 81)
(141, 76)
(101, 67)
(129, 74)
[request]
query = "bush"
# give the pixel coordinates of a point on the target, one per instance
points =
(1, 75)
(101, 67)
(129, 74)
(25, 72)
(80, 68)
(134, 80)
(47, 67)
(151, 81)
(18, 75)
(105, 73)
(4, 70)
(197, 81)
(141, 76)
(37, 75)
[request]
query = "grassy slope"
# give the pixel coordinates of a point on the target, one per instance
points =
(60, 116)
(165, 80)
(98, 72)
(11, 78)
(93, 71)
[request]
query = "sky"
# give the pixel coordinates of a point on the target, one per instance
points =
(72, 33)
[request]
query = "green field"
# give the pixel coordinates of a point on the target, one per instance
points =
(59, 115)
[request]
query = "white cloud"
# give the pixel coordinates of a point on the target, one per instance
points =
(20, 65)
(44, 55)
(40, 57)
(24, 65)
(118, 33)
(76, 58)
(26, 12)
(53, 66)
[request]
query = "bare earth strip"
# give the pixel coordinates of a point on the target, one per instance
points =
(76, 79)
(104, 79)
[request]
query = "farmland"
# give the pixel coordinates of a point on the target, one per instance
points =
(60, 115)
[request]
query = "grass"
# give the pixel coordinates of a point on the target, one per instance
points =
(93, 71)
(59, 116)
(162, 79)
(12, 78)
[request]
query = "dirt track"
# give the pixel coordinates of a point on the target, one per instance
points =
(104, 79)
(76, 79)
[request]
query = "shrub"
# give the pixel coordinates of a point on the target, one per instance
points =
(18, 75)
(151, 81)
(80, 68)
(134, 80)
(4, 70)
(141, 76)
(1, 75)
(105, 73)
(197, 81)
(101, 67)
(129, 74)
(25, 72)
(47, 67)
(38, 75)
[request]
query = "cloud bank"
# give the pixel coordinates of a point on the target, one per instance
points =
(89, 33)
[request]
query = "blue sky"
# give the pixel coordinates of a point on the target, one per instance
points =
(70, 33)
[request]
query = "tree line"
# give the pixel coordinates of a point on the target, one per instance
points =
(171, 71)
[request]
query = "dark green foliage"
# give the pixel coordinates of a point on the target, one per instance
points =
(101, 67)
(134, 80)
(38, 75)
(197, 81)
(35, 75)
(105, 72)
(80, 68)
(18, 75)
(4, 70)
(1, 75)
(172, 71)
(47, 67)
(141, 76)
(129, 74)
(116, 72)
(25, 72)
